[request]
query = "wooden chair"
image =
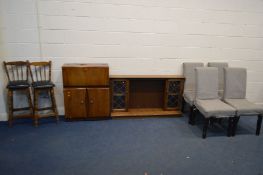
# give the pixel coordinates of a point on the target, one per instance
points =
(41, 81)
(17, 73)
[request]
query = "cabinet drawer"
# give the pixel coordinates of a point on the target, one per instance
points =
(81, 75)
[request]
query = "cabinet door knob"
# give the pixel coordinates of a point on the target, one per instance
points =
(91, 101)
(82, 101)
(68, 95)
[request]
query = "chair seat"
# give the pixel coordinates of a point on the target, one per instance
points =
(214, 108)
(43, 84)
(21, 84)
(244, 107)
(189, 97)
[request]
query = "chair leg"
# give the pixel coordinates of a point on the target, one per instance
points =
(192, 115)
(235, 122)
(183, 104)
(212, 121)
(230, 126)
(29, 99)
(259, 121)
(35, 111)
(220, 121)
(10, 107)
(205, 127)
(54, 106)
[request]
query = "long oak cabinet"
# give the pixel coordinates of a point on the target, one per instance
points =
(90, 93)
(146, 95)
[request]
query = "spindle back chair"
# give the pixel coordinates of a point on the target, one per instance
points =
(41, 81)
(18, 79)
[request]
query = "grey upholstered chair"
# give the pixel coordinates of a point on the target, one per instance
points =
(220, 66)
(189, 87)
(207, 100)
(235, 95)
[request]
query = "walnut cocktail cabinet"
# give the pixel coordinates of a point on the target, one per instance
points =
(86, 91)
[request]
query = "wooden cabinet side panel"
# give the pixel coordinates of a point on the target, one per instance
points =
(75, 102)
(98, 102)
(165, 97)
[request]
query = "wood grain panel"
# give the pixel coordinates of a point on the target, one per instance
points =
(98, 102)
(146, 93)
(85, 75)
(75, 103)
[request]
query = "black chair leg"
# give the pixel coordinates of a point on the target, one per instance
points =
(183, 104)
(220, 121)
(192, 115)
(212, 121)
(205, 127)
(230, 126)
(259, 124)
(235, 122)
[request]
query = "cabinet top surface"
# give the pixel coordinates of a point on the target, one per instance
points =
(147, 76)
(85, 65)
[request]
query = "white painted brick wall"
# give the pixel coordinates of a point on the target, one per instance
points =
(134, 37)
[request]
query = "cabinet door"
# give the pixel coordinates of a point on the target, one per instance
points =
(75, 102)
(119, 94)
(83, 75)
(173, 94)
(98, 102)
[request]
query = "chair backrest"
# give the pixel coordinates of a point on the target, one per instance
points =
(235, 83)
(206, 83)
(189, 74)
(16, 70)
(40, 71)
(220, 66)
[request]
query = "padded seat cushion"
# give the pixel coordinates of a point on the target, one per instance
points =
(43, 84)
(189, 97)
(214, 108)
(245, 107)
(20, 84)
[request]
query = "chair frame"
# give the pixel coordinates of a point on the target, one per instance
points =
(211, 119)
(193, 109)
(237, 117)
(36, 91)
(10, 94)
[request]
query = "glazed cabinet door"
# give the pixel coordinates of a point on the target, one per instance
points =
(119, 94)
(75, 102)
(173, 94)
(98, 102)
